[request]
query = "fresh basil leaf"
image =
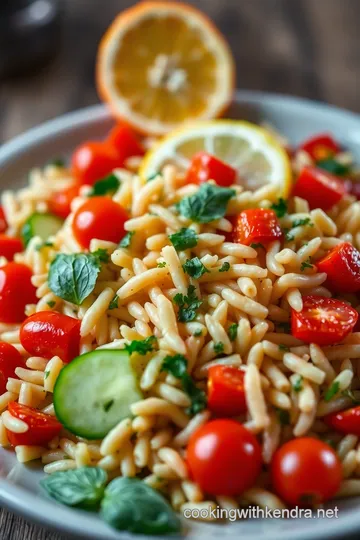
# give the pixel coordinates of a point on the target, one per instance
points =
(106, 185)
(225, 267)
(188, 304)
(332, 391)
(177, 366)
(114, 302)
(207, 204)
(195, 268)
(83, 488)
(126, 241)
(142, 346)
(219, 347)
(131, 505)
(280, 207)
(184, 239)
(334, 167)
(73, 277)
(232, 331)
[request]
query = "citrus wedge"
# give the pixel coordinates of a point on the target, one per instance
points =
(161, 64)
(251, 150)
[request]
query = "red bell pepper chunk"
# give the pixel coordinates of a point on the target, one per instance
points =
(319, 188)
(256, 225)
(206, 167)
(226, 392)
(342, 266)
(321, 147)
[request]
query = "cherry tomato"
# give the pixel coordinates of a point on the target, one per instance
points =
(16, 290)
(347, 421)
(256, 225)
(319, 188)
(206, 167)
(99, 217)
(10, 359)
(42, 427)
(226, 393)
(224, 458)
(3, 224)
(306, 471)
(9, 246)
(323, 321)
(321, 147)
(94, 160)
(60, 201)
(342, 266)
(123, 138)
(48, 333)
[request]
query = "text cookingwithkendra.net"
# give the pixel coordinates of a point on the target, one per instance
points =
(254, 512)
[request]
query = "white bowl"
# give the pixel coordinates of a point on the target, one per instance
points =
(19, 484)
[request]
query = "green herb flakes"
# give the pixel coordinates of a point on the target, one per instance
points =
(184, 239)
(195, 268)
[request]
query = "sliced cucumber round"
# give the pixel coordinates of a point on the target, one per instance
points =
(42, 225)
(94, 392)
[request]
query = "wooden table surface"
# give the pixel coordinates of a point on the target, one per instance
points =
(308, 48)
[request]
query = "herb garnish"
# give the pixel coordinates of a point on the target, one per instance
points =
(225, 267)
(195, 268)
(297, 385)
(114, 302)
(280, 207)
(332, 391)
(207, 204)
(142, 346)
(184, 239)
(106, 185)
(188, 304)
(219, 347)
(126, 240)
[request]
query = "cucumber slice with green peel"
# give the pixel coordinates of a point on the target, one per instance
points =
(42, 225)
(94, 392)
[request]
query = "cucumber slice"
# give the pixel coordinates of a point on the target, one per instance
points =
(43, 225)
(94, 392)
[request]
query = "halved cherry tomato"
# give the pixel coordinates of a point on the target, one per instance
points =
(256, 225)
(342, 266)
(99, 217)
(347, 421)
(9, 246)
(48, 333)
(16, 290)
(42, 427)
(319, 188)
(323, 321)
(123, 138)
(60, 201)
(306, 471)
(321, 147)
(93, 160)
(224, 458)
(206, 167)
(10, 359)
(226, 393)
(3, 224)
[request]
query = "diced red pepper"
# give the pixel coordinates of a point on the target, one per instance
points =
(342, 266)
(319, 188)
(321, 147)
(256, 225)
(226, 392)
(206, 167)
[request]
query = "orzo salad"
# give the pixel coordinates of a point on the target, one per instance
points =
(176, 340)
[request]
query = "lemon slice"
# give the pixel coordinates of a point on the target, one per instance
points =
(251, 150)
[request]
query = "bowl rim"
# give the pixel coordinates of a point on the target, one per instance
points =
(44, 511)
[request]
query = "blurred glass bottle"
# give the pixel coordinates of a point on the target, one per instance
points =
(29, 34)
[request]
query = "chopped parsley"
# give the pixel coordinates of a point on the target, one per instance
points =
(297, 385)
(161, 264)
(207, 204)
(51, 303)
(177, 366)
(184, 239)
(284, 348)
(142, 346)
(126, 240)
(334, 167)
(46, 374)
(219, 347)
(107, 406)
(280, 207)
(306, 264)
(114, 302)
(195, 268)
(232, 331)
(102, 255)
(188, 304)
(332, 391)
(257, 245)
(283, 416)
(198, 333)
(225, 267)
(107, 185)
(153, 176)
(302, 222)
(44, 244)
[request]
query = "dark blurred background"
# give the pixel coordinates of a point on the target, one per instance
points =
(309, 48)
